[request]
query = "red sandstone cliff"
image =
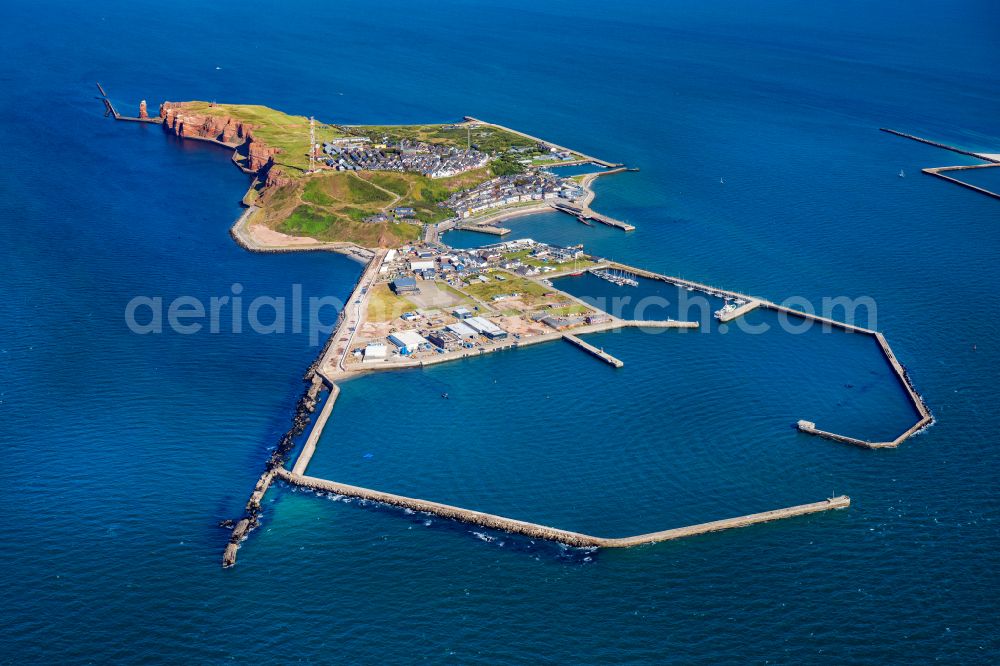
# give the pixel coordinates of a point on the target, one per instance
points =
(178, 118)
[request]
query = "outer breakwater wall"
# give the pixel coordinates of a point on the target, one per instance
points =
(938, 172)
(808, 426)
(938, 144)
(536, 531)
(251, 517)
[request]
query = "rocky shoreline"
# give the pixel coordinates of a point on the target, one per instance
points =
(177, 118)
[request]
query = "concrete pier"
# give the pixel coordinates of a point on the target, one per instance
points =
(651, 323)
(599, 353)
(309, 448)
(482, 228)
(587, 213)
(536, 531)
(939, 172)
(740, 311)
(918, 403)
(808, 426)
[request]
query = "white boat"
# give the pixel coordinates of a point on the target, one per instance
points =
(902, 174)
(726, 309)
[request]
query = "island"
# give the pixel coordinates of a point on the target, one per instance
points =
(384, 194)
(317, 185)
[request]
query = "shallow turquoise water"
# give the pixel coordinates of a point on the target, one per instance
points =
(124, 450)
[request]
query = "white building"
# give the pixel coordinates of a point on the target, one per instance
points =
(462, 331)
(375, 352)
(485, 327)
(407, 341)
(422, 265)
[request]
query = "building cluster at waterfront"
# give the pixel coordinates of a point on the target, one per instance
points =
(428, 159)
(470, 299)
(513, 189)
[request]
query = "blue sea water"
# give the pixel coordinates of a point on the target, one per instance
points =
(124, 450)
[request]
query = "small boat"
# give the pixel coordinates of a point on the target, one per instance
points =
(444, 395)
(726, 309)
(902, 174)
(722, 181)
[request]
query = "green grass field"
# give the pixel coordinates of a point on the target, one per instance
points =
(525, 257)
(570, 310)
(487, 138)
(422, 193)
(531, 292)
(384, 305)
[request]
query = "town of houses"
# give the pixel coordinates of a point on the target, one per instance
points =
(514, 189)
(428, 159)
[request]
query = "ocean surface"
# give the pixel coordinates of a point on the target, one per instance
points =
(125, 450)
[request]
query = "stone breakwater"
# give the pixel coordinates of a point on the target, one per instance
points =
(306, 406)
(300, 420)
(536, 531)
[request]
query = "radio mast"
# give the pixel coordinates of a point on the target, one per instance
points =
(312, 144)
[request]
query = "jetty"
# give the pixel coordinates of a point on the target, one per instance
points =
(309, 448)
(599, 353)
(585, 213)
(536, 531)
(482, 228)
(940, 173)
(751, 305)
(924, 420)
(992, 159)
(925, 416)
